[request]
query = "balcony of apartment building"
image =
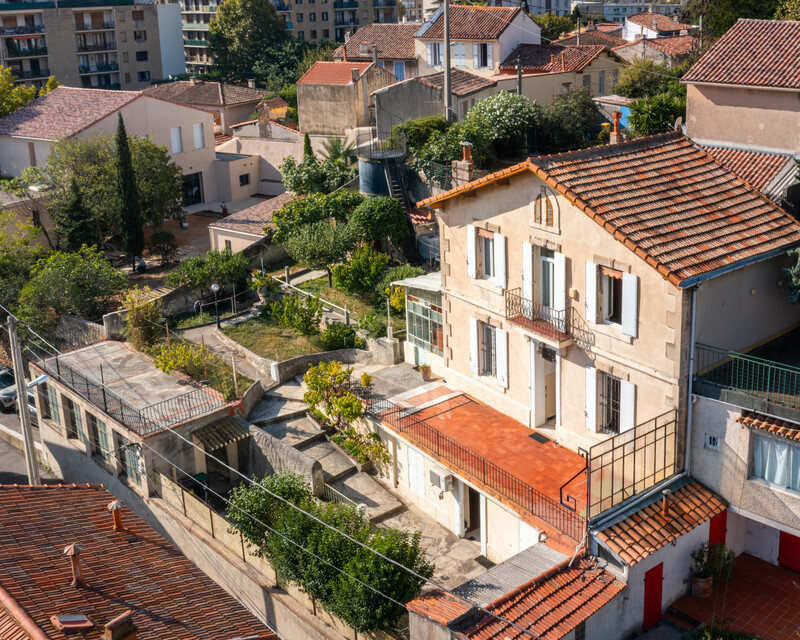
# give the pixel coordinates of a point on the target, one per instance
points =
(345, 19)
(342, 4)
(203, 44)
(24, 48)
(34, 71)
(384, 10)
(31, 27)
(98, 63)
(94, 21)
(95, 42)
(283, 7)
(198, 7)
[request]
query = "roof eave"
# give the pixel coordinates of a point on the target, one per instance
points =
(740, 86)
(709, 275)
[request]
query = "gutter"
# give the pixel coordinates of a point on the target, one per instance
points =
(694, 280)
(741, 86)
(689, 376)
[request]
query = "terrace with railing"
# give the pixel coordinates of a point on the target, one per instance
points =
(557, 325)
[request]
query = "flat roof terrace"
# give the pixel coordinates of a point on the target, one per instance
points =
(126, 385)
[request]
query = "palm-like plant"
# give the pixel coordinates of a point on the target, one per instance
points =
(336, 151)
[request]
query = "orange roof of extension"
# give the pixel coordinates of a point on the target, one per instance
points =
(551, 58)
(325, 72)
(132, 569)
(664, 198)
(657, 22)
(754, 167)
(770, 424)
(441, 607)
(755, 53)
(551, 605)
(646, 531)
(468, 22)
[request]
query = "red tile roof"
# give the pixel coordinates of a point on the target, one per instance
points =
(551, 605)
(770, 424)
(202, 92)
(470, 22)
(665, 199)
(607, 27)
(325, 72)
(594, 37)
(760, 53)
(754, 167)
(657, 22)
(462, 83)
(551, 58)
(394, 42)
(440, 607)
(646, 531)
(675, 45)
(133, 569)
(253, 219)
(64, 112)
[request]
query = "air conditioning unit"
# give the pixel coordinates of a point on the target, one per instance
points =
(441, 480)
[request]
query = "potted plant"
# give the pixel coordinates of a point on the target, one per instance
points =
(425, 371)
(710, 563)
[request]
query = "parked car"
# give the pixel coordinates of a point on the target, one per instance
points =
(8, 389)
(32, 410)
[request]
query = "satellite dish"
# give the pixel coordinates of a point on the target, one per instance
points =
(678, 123)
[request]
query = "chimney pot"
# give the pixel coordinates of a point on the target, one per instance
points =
(115, 507)
(466, 152)
(120, 628)
(665, 504)
(552, 58)
(73, 552)
(251, 83)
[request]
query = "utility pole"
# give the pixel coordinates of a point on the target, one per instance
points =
(22, 403)
(519, 76)
(446, 74)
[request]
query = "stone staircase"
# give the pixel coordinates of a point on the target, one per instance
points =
(680, 621)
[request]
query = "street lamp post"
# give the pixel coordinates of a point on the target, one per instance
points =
(215, 288)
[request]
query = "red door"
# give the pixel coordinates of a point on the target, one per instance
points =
(789, 551)
(718, 527)
(652, 596)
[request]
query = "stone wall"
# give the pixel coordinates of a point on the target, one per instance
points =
(270, 456)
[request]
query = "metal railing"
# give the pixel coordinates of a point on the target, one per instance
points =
(106, 46)
(474, 465)
(95, 27)
(778, 383)
(534, 316)
(36, 28)
(343, 311)
(99, 68)
(24, 75)
(329, 494)
(27, 53)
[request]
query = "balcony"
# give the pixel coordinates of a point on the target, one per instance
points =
(196, 26)
(26, 29)
(345, 22)
(289, 25)
(29, 75)
(106, 26)
(560, 327)
(27, 53)
(195, 43)
(99, 68)
(106, 46)
(345, 5)
(282, 7)
(384, 4)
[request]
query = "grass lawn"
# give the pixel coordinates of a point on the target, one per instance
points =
(190, 319)
(279, 268)
(269, 340)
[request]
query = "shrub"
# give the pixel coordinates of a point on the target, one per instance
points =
(374, 325)
(218, 267)
(418, 131)
(191, 274)
(362, 447)
(385, 289)
(328, 391)
(315, 207)
(340, 336)
(302, 315)
(141, 322)
(312, 176)
(380, 217)
(266, 285)
(362, 273)
(163, 244)
(178, 355)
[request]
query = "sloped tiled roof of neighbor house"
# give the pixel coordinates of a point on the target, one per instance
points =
(64, 112)
(134, 569)
(214, 94)
(462, 83)
(657, 22)
(770, 424)
(552, 58)
(675, 45)
(394, 42)
(469, 22)
(757, 168)
(667, 200)
(608, 40)
(646, 531)
(253, 219)
(757, 53)
(326, 72)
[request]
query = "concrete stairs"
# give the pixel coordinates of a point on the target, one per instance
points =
(361, 488)
(334, 463)
(680, 621)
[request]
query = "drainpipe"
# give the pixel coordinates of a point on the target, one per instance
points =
(687, 460)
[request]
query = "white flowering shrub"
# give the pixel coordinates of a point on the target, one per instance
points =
(502, 116)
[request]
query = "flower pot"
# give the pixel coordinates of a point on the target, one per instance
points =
(426, 373)
(701, 587)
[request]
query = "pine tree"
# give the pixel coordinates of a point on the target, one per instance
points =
(75, 224)
(308, 152)
(128, 196)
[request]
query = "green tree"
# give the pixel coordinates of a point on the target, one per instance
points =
(789, 10)
(565, 123)
(19, 252)
(277, 65)
(13, 95)
(380, 217)
(217, 267)
(190, 275)
(237, 37)
(159, 182)
(308, 152)
(303, 314)
(400, 272)
(655, 114)
(646, 78)
(362, 273)
(337, 151)
(128, 195)
(311, 176)
(417, 132)
(163, 244)
(319, 53)
(74, 222)
(328, 392)
(720, 15)
(81, 282)
(314, 207)
(553, 26)
(320, 244)
(142, 317)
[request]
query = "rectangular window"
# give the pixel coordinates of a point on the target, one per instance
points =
(325, 32)
(175, 135)
(612, 295)
(424, 320)
(298, 17)
(127, 77)
(228, 246)
(587, 81)
(144, 76)
(312, 17)
(547, 266)
(313, 34)
(777, 462)
(125, 56)
(325, 19)
(609, 402)
(123, 36)
(601, 83)
(486, 253)
(460, 55)
(99, 437)
(487, 362)
(435, 54)
(400, 71)
(140, 36)
(199, 139)
(137, 15)
(141, 56)
(72, 418)
(52, 405)
(301, 35)
(244, 179)
(128, 456)
(483, 55)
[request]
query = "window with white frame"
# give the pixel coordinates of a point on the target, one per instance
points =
(460, 54)
(486, 255)
(547, 265)
(199, 138)
(612, 297)
(488, 351)
(482, 55)
(175, 137)
(434, 53)
(777, 462)
(611, 286)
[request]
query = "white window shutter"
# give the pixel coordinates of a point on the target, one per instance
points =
(475, 58)
(527, 271)
(627, 403)
(489, 54)
(590, 294)
(428, 54)
(501, 343)
(175, 134)
(472, 252)
(559, 281)
(500, 260)
(473, 345)
(591, 399)
(630, 304)
(199, 141)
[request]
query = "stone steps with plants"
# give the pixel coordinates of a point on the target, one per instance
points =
(298, 431)
(334, 463)
(361, 488)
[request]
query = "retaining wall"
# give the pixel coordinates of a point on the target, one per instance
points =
(270, 456)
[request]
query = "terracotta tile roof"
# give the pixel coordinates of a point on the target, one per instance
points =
(64, 112)
(394, 42)
(462, 83)
(770, 424)
(253, 219)
(440, 607)
(675, 45)
(594, 37)
(221, 137)
(274, 103)
(754, 167)
(420, 216)
(551, 605)
(133, 569)
(469, 22)
(608, 27)
(760, 53)
(552, 58)
(215, 94)
(646, 531)
(657, 22)
(9, 628)
(665, 199)
(325, 72)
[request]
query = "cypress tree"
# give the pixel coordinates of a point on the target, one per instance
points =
(128, 196)
(308, 152)
(75, 224)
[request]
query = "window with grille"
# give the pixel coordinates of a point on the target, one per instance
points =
(128, 455)
(609, 402)
(488, 350)
(141, 56)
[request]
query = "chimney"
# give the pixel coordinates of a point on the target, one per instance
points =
(464, 169)
(192, 81)
(616, 135)
(354, 73)
(563, 64)
(115, 508)
(665, 504)
(375, 54)
(251, 83)
(121, 628)
(466, 152)
(552, 58)
(73, 552)
(344, 50)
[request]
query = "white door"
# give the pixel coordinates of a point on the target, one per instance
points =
(416, 472)
(528, 536)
